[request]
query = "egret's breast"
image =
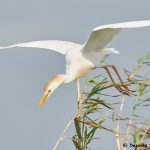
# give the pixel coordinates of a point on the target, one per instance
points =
(77, 65)
(83, 70)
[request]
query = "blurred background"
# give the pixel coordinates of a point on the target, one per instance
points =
(23, 72)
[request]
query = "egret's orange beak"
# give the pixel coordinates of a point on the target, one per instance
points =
(43, 99)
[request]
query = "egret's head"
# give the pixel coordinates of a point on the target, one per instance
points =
(50, 87)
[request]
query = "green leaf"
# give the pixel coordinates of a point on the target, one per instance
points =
(120, 118)
(91, 134)
(90, 109)
(78, 129)
(83, 128)
(93, 130)
(136, 136)
(85, 133)
(143, 59)
(96, 89)
(91, 81)
(101, 102)
(141, 90)
(77, 145)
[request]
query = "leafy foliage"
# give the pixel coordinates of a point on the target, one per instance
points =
(99, 99)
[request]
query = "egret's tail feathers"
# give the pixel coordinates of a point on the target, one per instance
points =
(113, 51)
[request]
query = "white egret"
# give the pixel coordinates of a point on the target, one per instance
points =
(80, 59)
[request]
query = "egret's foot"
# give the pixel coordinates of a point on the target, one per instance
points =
(119, 88)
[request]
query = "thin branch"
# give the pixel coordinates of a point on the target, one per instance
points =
(65, 129)
(79, 98)
(77, 115)
(118, 125)
(143, 136)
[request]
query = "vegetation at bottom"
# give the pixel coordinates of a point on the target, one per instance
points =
(129, 116)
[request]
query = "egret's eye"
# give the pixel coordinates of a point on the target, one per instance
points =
(49, 91)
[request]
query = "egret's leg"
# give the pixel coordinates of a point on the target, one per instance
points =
(114, 83)
(119, 77)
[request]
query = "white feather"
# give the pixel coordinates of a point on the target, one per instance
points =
(81, 59)
(58, 46)
(102, 35)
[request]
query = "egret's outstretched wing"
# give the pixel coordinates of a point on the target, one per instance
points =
(58, 46)
(102, 35)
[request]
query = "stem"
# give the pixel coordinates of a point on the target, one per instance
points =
(118, 125)
(79, 103)
(143, 136)
(79, 99)
(77, 115)
(131, 118)
(65, 129)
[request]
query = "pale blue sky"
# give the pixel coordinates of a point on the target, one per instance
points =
(24, 71)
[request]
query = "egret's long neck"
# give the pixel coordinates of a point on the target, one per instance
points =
(69, 77)
(50, 87)
(54, 82)
(62, 78)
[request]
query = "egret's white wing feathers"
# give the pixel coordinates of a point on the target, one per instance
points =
(102, 35)
(58, 46)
